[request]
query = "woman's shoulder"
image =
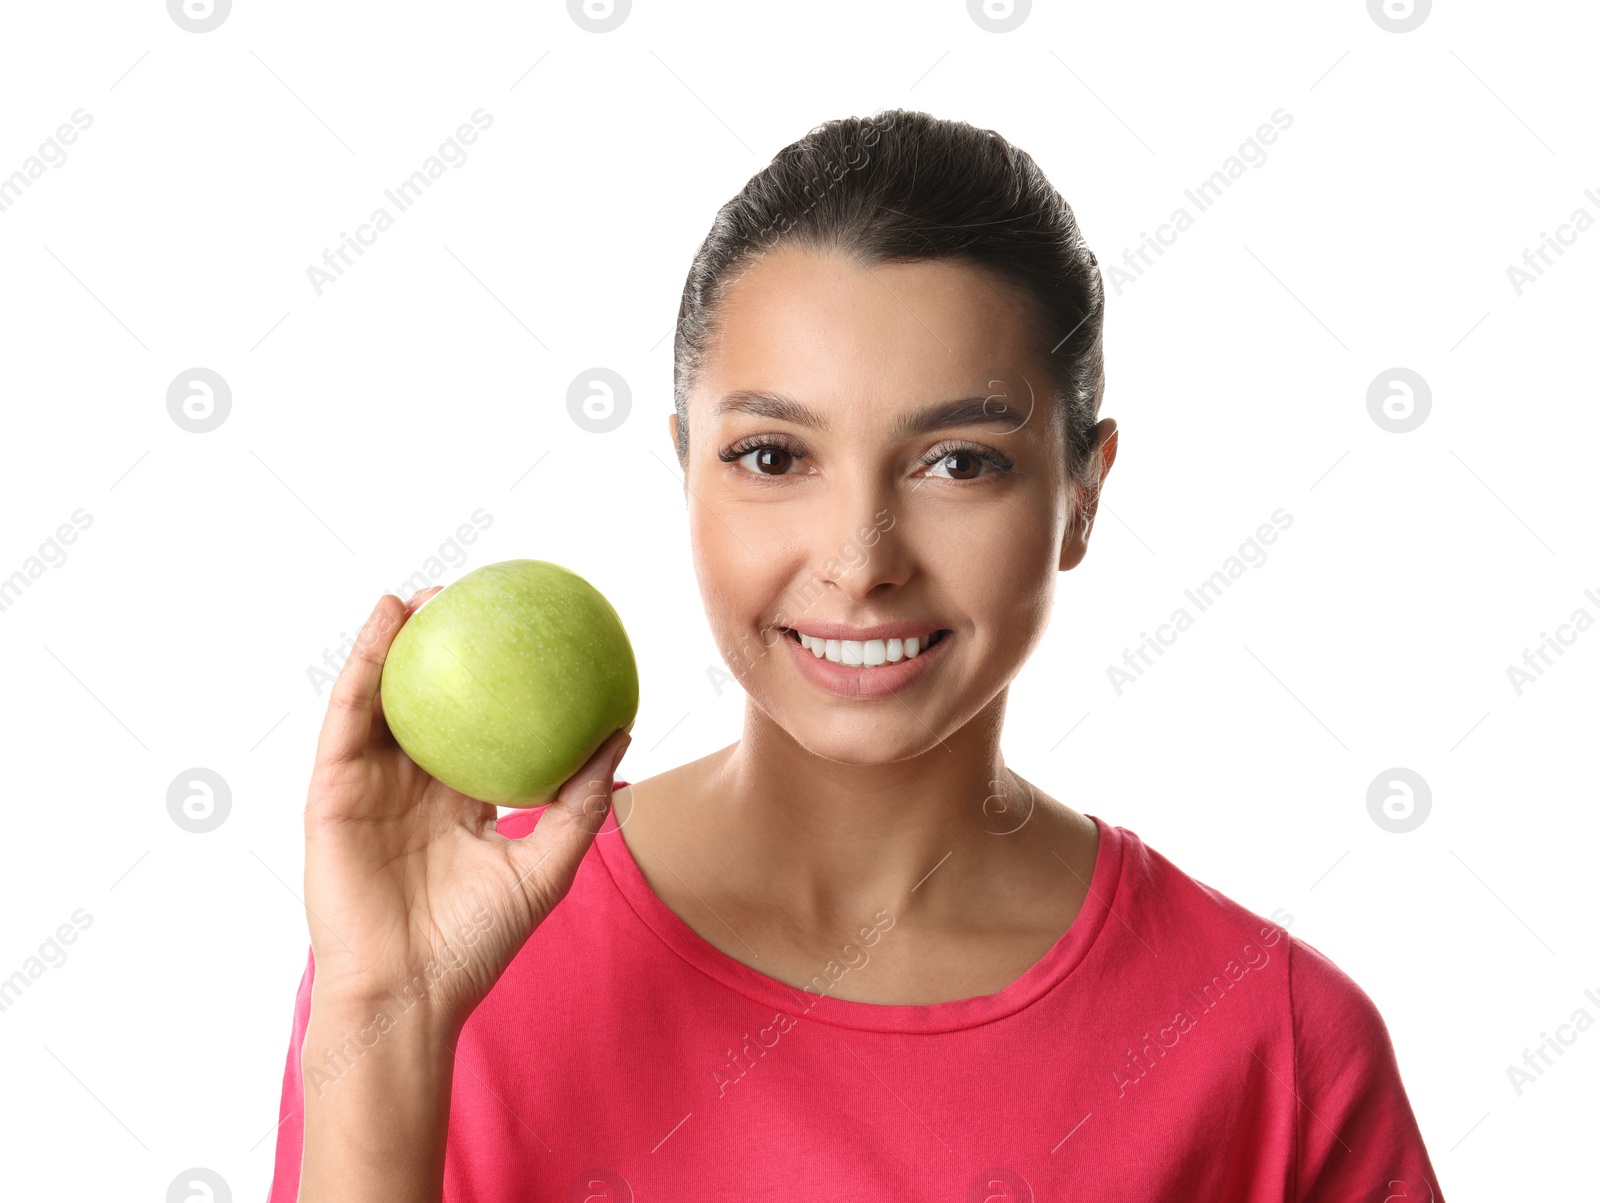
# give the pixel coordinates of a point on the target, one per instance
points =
(1327, 1005)
(1176, 903)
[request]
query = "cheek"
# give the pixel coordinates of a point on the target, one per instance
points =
(999, 567)
(735, 577)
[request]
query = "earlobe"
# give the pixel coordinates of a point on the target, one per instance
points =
(1076, 545)
(1086, 504)
(672, 432)
(1075, 542)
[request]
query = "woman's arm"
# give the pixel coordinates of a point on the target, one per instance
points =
(1356, 1135)
(416, 905)
(376, 1131)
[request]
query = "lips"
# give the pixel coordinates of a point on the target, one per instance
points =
(863, 680)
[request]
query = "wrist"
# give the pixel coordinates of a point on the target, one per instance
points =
(345, 1027)
(357, 1003)
(353, 1056)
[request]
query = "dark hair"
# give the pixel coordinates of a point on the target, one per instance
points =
(908, 186)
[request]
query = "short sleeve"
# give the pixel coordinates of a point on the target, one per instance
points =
(291, 1117)
(1356, 1135)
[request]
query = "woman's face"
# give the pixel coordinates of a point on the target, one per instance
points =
(830, 497)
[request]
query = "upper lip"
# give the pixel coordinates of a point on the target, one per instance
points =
(884, 630)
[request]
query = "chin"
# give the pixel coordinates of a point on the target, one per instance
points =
(851, 736)
(863, 745)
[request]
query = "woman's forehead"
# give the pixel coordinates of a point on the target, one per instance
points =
(833, 332)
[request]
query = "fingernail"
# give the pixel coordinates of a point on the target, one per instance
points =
(621, 748)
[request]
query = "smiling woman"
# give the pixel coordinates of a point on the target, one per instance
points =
(888, 377)
(913, 411)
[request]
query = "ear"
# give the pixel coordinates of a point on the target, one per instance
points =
(672, 432)
(1075, 543)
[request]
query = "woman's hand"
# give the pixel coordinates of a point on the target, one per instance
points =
(416, 906)
(411, 894)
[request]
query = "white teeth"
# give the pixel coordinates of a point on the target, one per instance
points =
(867, 653)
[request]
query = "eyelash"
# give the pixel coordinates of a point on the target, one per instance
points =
(998, 461)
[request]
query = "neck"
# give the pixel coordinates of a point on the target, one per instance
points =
(835, 841)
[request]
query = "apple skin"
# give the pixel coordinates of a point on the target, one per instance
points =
(506, 681)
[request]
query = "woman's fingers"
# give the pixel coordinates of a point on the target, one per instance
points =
(348, 723)
(378, 722)
(548, 857)
(419, 597)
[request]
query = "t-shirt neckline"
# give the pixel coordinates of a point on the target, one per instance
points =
(1044, 975)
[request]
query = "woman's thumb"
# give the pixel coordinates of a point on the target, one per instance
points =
(587, 794)
(548, 857)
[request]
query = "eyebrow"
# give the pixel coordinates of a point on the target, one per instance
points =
(966, 411)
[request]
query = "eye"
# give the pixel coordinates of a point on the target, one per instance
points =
(768, 461)
(959, 465)
(960, 461)
(765, 456)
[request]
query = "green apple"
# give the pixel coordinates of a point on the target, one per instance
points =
(505, 682)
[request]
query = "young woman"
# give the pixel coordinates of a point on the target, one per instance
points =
(852, 955)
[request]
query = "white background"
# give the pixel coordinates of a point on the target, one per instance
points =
(370, 421)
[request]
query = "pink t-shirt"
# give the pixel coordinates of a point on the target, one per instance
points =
(1170, 1046)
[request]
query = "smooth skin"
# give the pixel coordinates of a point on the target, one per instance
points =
(828, 811)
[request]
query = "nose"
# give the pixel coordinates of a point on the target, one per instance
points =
(861, 552)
